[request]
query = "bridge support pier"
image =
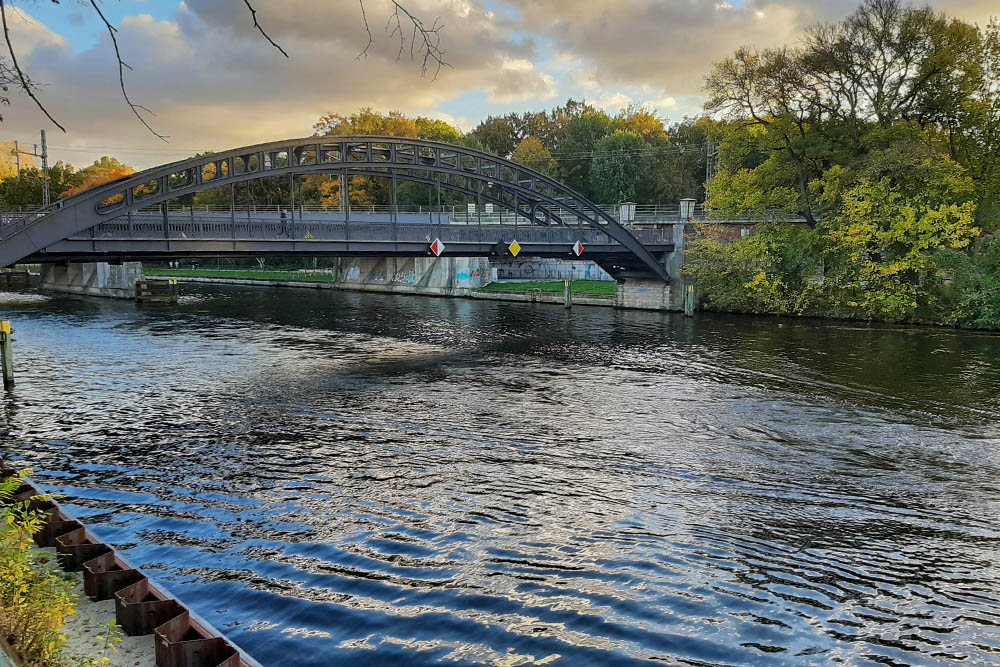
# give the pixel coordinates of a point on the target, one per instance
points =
(645, 294)
(654, 294)
(92, 278)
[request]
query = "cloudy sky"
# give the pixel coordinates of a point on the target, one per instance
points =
(214, 83)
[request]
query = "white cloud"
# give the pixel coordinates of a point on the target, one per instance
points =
(214, 83)
(664, 103)
(610, 102)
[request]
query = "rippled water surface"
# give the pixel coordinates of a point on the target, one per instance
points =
(337, 478)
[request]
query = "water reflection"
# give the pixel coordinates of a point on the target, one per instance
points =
(362, 479)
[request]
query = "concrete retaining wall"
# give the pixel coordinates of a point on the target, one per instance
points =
(444, 276)
(92, 278)
(541, 268)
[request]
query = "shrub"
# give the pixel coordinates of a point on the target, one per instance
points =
(34, 599)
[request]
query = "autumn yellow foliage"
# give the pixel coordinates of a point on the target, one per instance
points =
(99, 177)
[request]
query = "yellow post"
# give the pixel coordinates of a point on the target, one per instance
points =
(7, 354)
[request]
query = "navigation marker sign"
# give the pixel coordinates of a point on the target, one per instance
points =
(577, 248)
(514, 248)
(437, 247)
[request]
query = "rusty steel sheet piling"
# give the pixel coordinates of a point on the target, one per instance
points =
(142, 607)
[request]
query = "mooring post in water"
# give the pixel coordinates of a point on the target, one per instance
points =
(568, 284)
(689, 301)
(7, 354)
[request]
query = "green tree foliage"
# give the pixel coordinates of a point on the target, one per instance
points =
(437, 130)
(26, 192)
(532, 153)
(620, 168)
(881, 132)
(579, 140)
(971, 285)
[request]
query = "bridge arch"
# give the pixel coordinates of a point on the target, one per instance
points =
(525, 192)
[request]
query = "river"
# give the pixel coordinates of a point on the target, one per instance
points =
(361, 479)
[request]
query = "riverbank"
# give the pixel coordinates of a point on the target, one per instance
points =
(520, 292)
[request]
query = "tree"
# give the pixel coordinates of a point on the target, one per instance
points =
(619, 168)
(104, 170)
(498, 135)
(367, 121)
(437, 130)
(580, 137)
(363, 190)
(26, 191)
(882, 131)
(532, 153)
(99, 178)
(848, 87)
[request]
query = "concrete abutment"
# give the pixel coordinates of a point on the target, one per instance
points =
(92, 278)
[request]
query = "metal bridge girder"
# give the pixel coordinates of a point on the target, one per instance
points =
(513, 186)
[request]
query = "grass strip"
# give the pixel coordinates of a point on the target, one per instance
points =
(292, 276)
(590, 287)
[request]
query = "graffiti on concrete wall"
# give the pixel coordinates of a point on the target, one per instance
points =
(406, 277)
(550, 269)
(477, 274)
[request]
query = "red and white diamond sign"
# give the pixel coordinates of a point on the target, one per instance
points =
(437, 247)
(577, 248)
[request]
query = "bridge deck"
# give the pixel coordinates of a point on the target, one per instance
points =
(143, 236)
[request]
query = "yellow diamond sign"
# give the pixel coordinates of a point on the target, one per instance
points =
(514, 248)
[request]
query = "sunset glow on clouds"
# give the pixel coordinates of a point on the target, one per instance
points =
(214, 82)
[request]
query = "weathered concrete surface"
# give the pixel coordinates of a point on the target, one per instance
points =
(674, 264)
(542, 268)
(646, 295)
(443, 276)
(92, 278)
(654, 294)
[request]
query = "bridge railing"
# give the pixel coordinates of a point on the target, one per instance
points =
(209, 227)
(12, 223)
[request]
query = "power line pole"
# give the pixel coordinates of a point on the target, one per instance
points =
(44, 155)
(711, 157)
(45, 172)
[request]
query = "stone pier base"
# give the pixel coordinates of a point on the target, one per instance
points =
(648, 295)
(92, 278)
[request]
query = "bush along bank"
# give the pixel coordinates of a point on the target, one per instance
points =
(35, 599)
(930, 276)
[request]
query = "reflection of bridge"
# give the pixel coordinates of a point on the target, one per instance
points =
(133, 219)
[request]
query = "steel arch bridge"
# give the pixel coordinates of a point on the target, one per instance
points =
(130, 218)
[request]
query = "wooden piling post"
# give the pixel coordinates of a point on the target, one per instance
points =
(568, 285)
(152, 290)
(7, 354)
(689, 301)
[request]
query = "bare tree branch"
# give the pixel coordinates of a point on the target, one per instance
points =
(428, 48)
(430, 37)
(26, 85)
(364, 16)
(121, 75)
(253, 15)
